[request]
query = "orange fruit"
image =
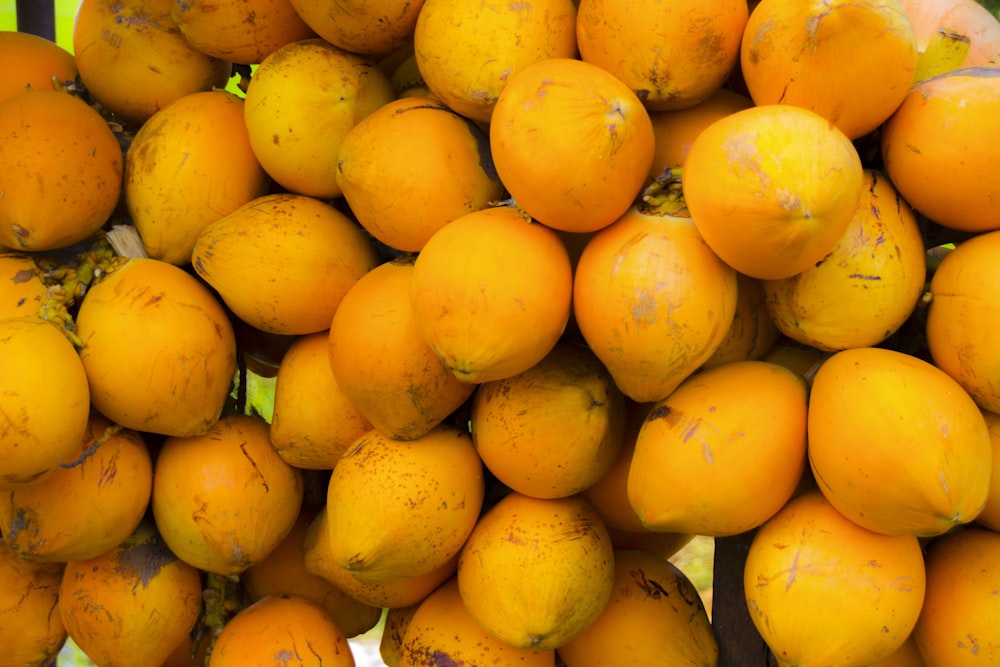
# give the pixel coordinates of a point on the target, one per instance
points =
(655, 616)
(960, 613)
(757, 183)
(45, 403)
(491, 293)
(390, 646)
(442, 631)
(133, 58)
(22, 292)
(712, 459)
(132, 605)
(31, 628)
(285, 630)
(41, 64)
(965, 300)
(302, 101)
(553, 430)
(224, 500)
(752, 331)
(809, 54)
(467, 52)
(382, 364)
(876, 414)
(962, 195)
(952, 34)
(189, 165)
(314, 254)
(907, 655)
(58, 135)
(572, 143)
(535, 572)
(866, 287)
(990, 516)
(400, 509)
(673, 56)
(822, 590)
(374, 27)
(313, 422)
(240, 31)
(415, 150)
(88, 505)
(143, 326)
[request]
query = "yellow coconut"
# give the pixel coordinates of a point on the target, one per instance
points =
(31, 628)
(22, 292)
(362, 26)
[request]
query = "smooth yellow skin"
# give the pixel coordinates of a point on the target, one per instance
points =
(877, 414)
(990, 516)
(822, 590)
(44, 403)
(373, 27)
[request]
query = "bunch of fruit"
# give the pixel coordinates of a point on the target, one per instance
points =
(546, 289)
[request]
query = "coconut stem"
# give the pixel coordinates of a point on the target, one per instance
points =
(665, 195)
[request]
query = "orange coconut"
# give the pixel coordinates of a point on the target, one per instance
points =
(875, 412)
(491, 293)
(312, 251)
(937, 148)
(283, 572)
(314, 421)
(960, 614)
(404, 592)
(382, 364)
(240, 31)
(412, 166)
(41, 64)
(22, 292)
(399, 508)
(64, 170)
(86, 506)
(673, 56)
(772, 188)
(655, 616)
(652, 300)
(225, 499)
(302, 100)
(795, 356)
(952, 34)
(45, 403)
(965, 300)
(823, 590)
(31, 629)
(907, 655)
(374, 27)
(390, 645)
(831, 44)
(554, 429)
(144, 327)
(442, 631)
(468, 51)
(675, 130)
(571, 143)
(134, 60)
(990, 516)
(699, 461)
(752, 331)
(869, 284)
(132, 605)
(189, 165)
(536, 572)
(286, 630)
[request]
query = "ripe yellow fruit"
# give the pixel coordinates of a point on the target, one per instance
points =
(965, 301)
(63, 171)
(88, 505)
(536, 572)
(374, 27)
(45, 402)
(189, 165)
(41, 64)
(224, 500)
(400, 509)
(302, 101)
(752, 331)
(31, 629)
(822, 590)
(22, 292)
(723, 453)
(553, 430)
(655, 616)
(990, 516)
(132, 605)
(957, 626)
(144, 326)
(877, 414)
(866, 287)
